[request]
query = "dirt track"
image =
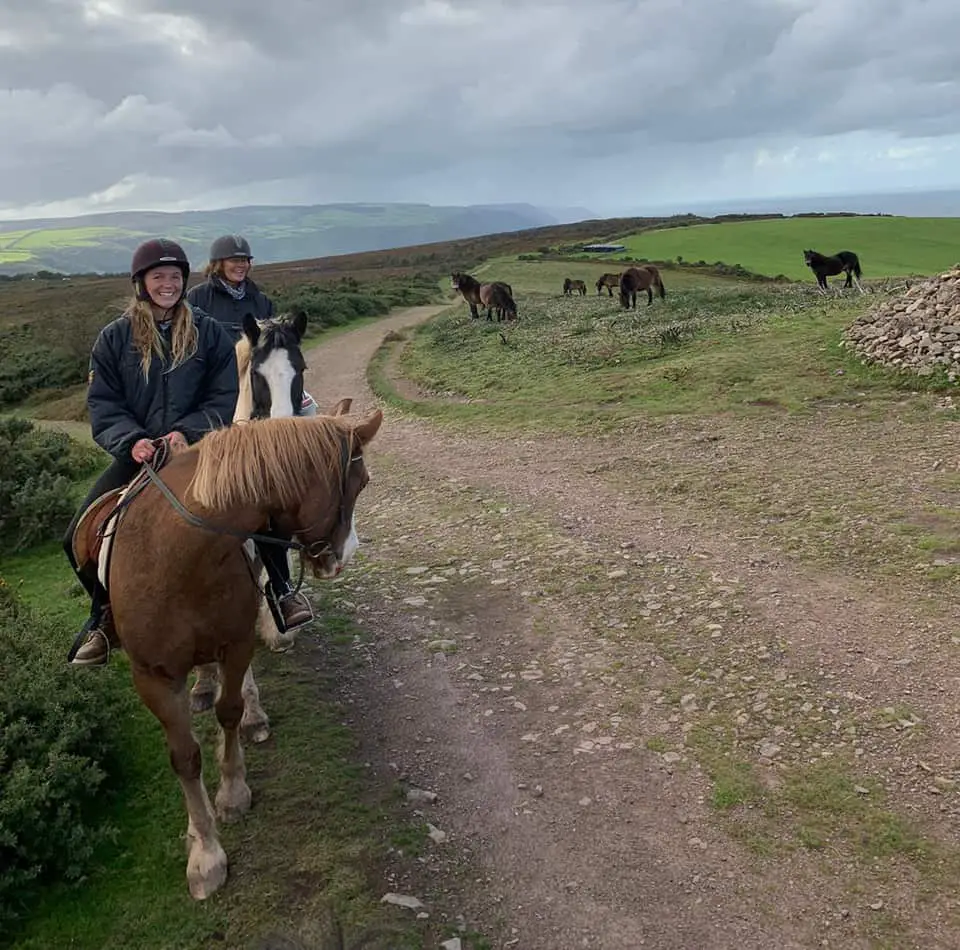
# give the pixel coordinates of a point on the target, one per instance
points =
(505, 585)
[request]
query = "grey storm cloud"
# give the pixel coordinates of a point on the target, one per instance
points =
(161, 100)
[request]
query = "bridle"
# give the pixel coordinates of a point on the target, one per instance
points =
(313, 549)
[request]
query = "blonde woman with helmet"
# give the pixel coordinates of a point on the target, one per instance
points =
(160, 370)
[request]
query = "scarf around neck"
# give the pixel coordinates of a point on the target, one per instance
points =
(238, 293)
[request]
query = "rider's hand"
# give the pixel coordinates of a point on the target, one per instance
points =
(142, 450)
(177, 440)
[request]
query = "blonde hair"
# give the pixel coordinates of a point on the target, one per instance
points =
(215, 269)
(146, 336)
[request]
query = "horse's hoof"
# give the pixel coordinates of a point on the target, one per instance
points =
(233, 801)
(206, 870)
(202, 701)
(255, 732)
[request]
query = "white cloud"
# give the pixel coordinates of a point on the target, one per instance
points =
(470, 100)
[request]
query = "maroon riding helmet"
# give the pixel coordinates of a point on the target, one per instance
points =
(158, 252)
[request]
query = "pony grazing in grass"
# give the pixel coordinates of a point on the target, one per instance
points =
(195, 599)
(571, 286)
(843, 262)
(609, 281)
(646, 277)
(496, 295)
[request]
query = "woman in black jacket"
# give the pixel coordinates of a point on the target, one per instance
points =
(161, 369)
(228, 293)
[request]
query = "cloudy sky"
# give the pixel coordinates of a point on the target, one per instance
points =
(615, 105)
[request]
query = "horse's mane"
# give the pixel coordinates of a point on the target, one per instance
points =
(273, 461)
(244, 354)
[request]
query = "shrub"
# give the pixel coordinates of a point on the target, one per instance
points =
(339, 303)
(56, 730)
(36, 470)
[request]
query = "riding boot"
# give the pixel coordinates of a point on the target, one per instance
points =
(290, 608)
(97, 636)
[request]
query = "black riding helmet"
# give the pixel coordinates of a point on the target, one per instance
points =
(230, 245)
(158, 252)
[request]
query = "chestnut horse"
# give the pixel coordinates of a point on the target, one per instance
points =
(569, 286)
(646, 277)
(194, 600)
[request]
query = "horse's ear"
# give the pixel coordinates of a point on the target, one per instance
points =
(251, 329)
(299, 323)
(367, 429)
(341, 408)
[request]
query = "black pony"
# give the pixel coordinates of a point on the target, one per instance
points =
(843, 262)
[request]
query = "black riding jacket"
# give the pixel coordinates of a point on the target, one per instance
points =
(198, 395)
(212, 298)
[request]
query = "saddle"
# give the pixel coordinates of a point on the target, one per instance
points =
(93, 536)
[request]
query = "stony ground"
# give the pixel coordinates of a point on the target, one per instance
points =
(644, 721)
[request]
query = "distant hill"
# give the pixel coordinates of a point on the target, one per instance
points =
(102, 243)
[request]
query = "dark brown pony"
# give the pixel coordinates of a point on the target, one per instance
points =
(569, 286)
(195, 599)
(609, 281)
(471, 290)
(646, 277)
(497, 296)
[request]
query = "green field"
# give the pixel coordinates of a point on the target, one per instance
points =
(546, 277)
(887, 247)
(17, 246)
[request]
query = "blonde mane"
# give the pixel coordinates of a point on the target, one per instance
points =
(269, 461)
(244, 353)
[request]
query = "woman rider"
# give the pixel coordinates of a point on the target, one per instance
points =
(227, 295)
(160, 370)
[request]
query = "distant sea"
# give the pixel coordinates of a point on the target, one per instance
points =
(912, 204)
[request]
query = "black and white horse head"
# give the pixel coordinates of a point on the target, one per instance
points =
(274, 367)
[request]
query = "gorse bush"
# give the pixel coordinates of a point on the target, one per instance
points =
(56, 730)
(28, 363)
(37, 468)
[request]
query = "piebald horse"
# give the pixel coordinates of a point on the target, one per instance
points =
(270, 366)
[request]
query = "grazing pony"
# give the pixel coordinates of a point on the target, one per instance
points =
(498, 295)
(270, 366)
(569, 286)
(609, 281)
(195, 600)
(843, 262)
(646, 277)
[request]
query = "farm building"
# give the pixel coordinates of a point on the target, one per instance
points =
(603, 248)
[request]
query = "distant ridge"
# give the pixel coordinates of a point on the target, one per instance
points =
(102, 243)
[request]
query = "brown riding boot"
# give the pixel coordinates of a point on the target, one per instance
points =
(296, 611)
(95, 649)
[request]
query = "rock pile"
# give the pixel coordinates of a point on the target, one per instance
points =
(916, 331)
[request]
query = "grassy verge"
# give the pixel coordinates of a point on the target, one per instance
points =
(705, 349)
(303, 863)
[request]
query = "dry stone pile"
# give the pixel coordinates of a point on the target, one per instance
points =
(917, 331)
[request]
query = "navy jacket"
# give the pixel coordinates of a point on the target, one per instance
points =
(197, 396)
(211, 298)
